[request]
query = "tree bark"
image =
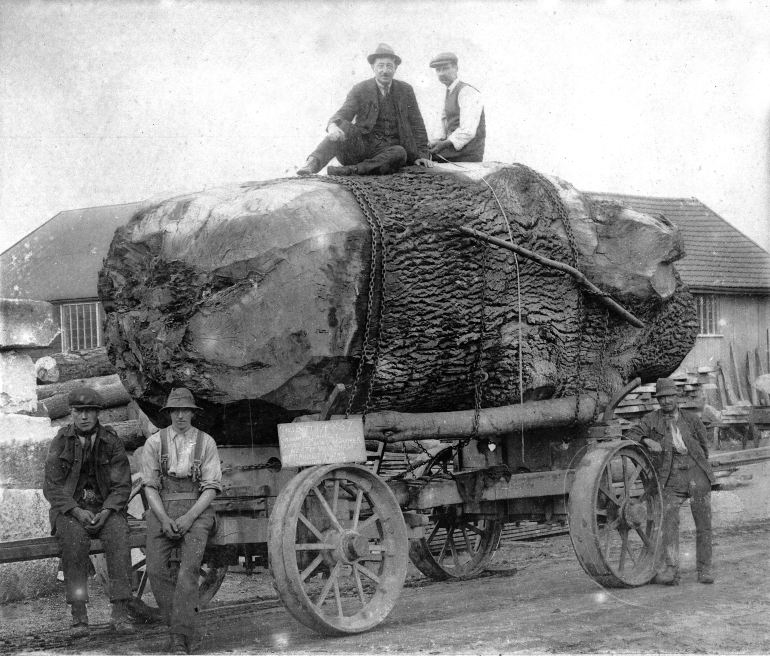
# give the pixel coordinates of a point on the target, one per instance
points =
(262, 297)
(61, 367)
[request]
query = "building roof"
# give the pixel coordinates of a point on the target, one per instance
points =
(61, 259)
(718, 257)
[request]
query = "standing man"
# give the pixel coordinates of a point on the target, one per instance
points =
(88, 482)
(182, 475)
(378, 129)
(464, 126)
(677, 441)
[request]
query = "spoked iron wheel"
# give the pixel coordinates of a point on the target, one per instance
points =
(456, 547)
(615, 515)
(338, 548)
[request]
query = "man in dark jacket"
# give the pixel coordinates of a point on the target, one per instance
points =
(88, 482)
(677, 443)
(378, 129)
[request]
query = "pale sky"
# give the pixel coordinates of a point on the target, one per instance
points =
(107, 103)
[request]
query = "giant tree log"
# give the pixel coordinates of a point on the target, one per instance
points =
(258, 296)
(110, 388)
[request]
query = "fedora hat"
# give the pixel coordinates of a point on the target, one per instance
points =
(85, 397)
(443, 58)
(180, 397)
(666, 387)
(384, 50)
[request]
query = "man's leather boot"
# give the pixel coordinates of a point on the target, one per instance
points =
(79, 620)
(705, 576)
(176, 644)
(311, 167)
(342, 170)
(669, 576)
(119, 621)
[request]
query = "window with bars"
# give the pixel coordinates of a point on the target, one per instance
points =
(81, 326)
(708, 314)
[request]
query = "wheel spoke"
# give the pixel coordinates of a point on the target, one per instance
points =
(335, 496)
(453, 548)
(434, 531)
(447, 537)
(314, 546)
(329, 511)
(327, 586)
(623, 548)
(357, 511)
(310, 527)
(468, 546)
(630, 552)
(311, 567)
(367, 572)
(635, 476)
(337, 597)
(367, 523)
(474, 528)
(645, 539)
(359, 585)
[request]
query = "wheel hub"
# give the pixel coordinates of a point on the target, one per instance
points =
(634, 513)
(349, 546)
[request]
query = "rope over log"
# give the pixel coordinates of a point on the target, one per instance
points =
(605, 299)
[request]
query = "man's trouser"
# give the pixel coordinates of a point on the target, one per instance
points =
(370, 155)
(687, 479)
(177, 598)
(75, 544)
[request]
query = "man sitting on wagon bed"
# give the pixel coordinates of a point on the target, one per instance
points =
(182, 475)
(88, 482)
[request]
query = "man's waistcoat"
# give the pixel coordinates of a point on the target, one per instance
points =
(452, 111)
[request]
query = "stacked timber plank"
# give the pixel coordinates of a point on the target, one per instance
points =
(642, 400)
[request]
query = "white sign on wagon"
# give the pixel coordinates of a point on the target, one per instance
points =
(322, 442)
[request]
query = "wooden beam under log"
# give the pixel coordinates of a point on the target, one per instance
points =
(552, 413)
(604, 299)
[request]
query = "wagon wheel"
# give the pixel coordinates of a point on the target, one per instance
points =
(615, 515)
(457, 547)
(338, 548)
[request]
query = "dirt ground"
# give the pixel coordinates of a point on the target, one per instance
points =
(535, 599)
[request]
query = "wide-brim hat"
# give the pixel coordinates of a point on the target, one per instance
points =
(384, 50)
(85, 397)
(443, 58)
(180, 397)
(666, 387)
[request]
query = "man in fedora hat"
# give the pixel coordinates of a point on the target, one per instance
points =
(676, 439)
(88, 482)
(181, 476)
(464, 129)
(378, 129)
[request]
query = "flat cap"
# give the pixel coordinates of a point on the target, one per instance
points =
(85, 397)
(443, 58)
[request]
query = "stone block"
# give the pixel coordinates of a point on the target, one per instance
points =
(24, 515)
(24, 443)
(25, 323)
(18, 383)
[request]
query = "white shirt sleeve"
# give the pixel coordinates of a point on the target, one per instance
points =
(471, 105)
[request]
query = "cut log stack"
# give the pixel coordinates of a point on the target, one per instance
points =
(642, 400)
(59, 374)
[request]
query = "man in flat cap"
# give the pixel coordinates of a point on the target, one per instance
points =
(464, 129)
(378, 129)
(676, 439)
(88, 482)
(181, 475)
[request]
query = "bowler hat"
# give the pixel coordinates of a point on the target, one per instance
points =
(85, 397)
(384, 50)
(180, 397)
(443, 58)
(665, 387)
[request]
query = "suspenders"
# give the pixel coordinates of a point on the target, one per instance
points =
(195, 470)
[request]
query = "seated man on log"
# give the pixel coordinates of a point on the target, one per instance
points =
(676, 438)
(378, 129)
(88, 482)
(464, 126)
(182, 475)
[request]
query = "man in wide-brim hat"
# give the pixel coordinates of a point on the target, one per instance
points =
(181, 475)
(88, 482)
(676, 439)
(379, 127)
